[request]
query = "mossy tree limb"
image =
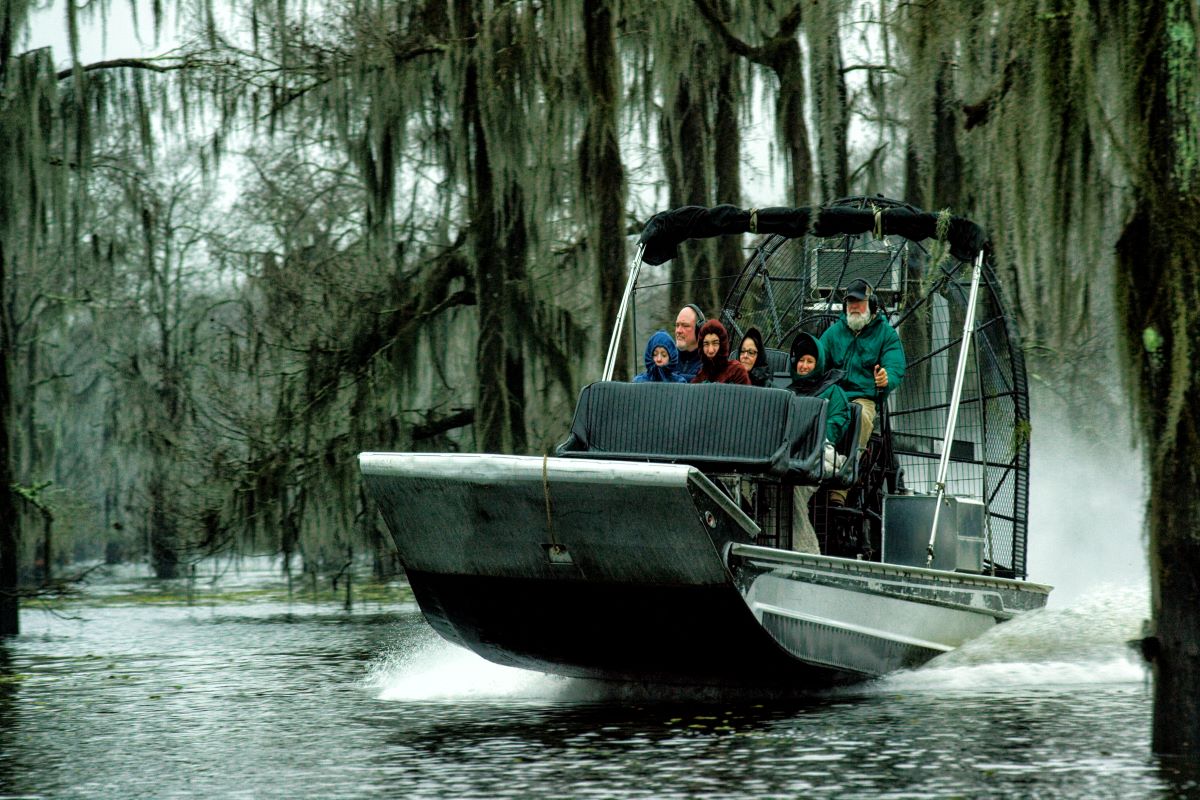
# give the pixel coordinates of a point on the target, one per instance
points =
(780, 53)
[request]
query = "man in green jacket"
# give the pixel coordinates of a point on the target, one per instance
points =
(865, 346)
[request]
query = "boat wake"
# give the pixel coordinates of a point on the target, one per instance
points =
(433, 670)
(1086, 642)
(1083, 643)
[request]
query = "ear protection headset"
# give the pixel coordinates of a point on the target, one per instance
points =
(872, 300)
(699, 314)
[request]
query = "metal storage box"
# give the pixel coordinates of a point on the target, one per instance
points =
(907, 520)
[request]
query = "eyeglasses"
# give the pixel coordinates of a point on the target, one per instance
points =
(746, 352)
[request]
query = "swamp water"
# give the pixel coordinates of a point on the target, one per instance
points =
(130, 692)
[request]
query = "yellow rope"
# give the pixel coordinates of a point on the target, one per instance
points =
(754, 220)
(878, 222)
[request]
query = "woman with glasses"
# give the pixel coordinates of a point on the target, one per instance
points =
(753, 356)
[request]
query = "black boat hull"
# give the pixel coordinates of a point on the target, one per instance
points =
(670, 635)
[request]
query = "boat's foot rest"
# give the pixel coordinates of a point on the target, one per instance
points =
(846, 532)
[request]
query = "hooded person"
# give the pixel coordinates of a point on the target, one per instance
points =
(715, 366)
(753, 356)
(817, 380)
(661, 360)
(811, 379)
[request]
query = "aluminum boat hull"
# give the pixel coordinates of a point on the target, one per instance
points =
(645, 572)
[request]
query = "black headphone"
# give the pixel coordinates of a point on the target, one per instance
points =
(872, 300)
(699, 314)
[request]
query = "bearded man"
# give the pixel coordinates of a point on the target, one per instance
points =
(865, 346)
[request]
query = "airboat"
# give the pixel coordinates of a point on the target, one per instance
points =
(654, 545)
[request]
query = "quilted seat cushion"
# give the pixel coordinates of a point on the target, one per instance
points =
(714, 427)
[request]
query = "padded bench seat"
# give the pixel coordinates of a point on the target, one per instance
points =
(777, 364)
(713, 427)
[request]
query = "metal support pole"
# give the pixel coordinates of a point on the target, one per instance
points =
(610, 362)
(633, 340)
(766, 276)
(955, 397)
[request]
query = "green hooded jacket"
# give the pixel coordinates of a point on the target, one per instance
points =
(856, 354)
(821, 383)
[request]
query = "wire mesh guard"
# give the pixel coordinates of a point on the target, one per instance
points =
(770, 504)
(790, 285)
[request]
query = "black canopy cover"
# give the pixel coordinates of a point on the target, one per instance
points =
(666, 229)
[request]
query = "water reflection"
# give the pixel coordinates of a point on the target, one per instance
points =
(829, 746)
(10, 681)
(1180, 775)
(279, 700)
(663, 750)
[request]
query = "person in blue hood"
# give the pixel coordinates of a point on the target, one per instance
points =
(811, 378)
(662, 361)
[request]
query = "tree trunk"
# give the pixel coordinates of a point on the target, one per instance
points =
(1175, 570)
(46, 549)
(165, 540)
(164, 531)
(933, 161)
(687, 149)
(10, 526)
(498, 251)
(491, 407)
(947, 164)
(348, 603)
(601, 172)
(491, 395)
(829, 97)
(1158, 270)
(515, 251)
(28, 458)
(789, 121)
(10, 534)
(727, 147)
(913, 186)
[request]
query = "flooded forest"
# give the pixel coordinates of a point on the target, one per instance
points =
(305, 231)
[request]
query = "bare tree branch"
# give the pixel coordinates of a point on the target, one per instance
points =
(148, 64)
(434, 426)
